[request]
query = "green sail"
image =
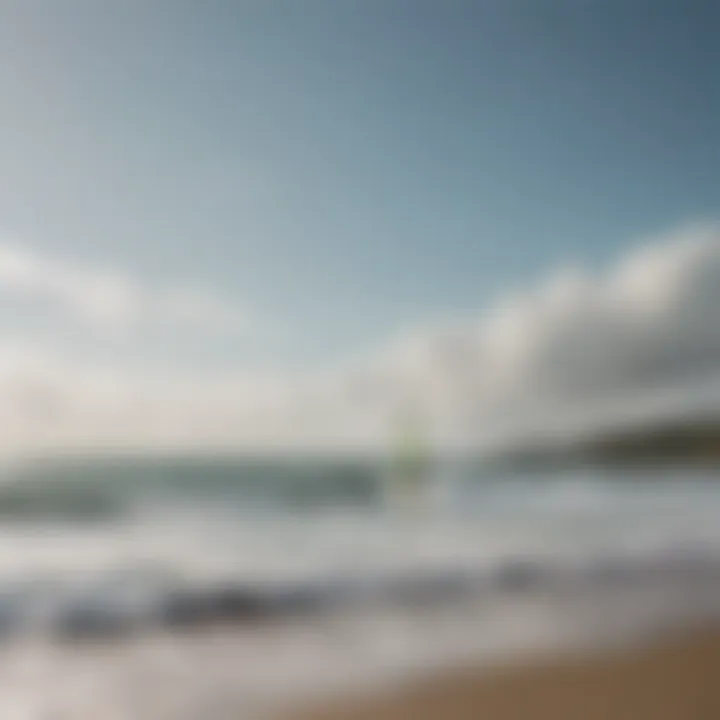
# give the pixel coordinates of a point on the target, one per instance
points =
(411, 460)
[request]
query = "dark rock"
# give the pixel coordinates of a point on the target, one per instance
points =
(520, 575)
(87, 620)
(186, 609)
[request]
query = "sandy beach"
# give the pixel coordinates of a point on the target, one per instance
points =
(674, 678)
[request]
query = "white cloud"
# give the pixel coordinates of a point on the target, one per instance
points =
(639, 340)
(591, 346)
(112, 300)
(580, 349)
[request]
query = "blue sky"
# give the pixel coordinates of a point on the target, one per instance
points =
(346, 168)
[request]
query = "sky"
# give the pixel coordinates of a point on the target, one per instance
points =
(259, 195)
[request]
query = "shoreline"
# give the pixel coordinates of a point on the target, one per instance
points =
(467, 660)
(673, 676)
(380, 647)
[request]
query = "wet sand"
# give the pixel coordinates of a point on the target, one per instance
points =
(674, 678)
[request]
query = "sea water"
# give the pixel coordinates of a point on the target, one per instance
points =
(499, 562)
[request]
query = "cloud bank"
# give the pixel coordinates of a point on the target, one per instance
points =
(642, 338)
(636, 341)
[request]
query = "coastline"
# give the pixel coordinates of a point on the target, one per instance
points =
(216, 614)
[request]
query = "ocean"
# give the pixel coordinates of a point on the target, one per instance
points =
(303, 576)
(262, 517)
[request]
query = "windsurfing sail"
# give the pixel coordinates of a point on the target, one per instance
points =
(411, 462)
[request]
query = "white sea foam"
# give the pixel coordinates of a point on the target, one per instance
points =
(553, 561)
